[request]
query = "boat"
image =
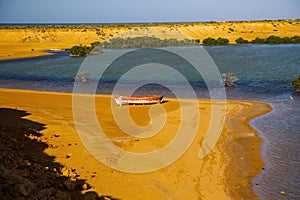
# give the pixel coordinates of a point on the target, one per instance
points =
(126, 100)
(57, 50)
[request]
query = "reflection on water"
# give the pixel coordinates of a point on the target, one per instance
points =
(265, 73)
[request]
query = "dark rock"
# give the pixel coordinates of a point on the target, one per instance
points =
(70, 184)
(25, 188)
(30, 174)
(90, 196)
(68, 155)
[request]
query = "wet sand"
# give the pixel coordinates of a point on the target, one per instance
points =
(225, 173)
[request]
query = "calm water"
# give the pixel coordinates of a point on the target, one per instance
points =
(265, 73)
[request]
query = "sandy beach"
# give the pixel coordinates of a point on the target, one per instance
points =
(226, 173)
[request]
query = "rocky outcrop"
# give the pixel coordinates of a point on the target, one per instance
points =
(26, 172)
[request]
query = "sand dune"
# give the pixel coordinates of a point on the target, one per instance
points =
(16, 42)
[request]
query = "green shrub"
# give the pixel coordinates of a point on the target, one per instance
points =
(145, 42)
(80, 50)
(241, 41)
(198, 41)
(277, 40)
(125, 43)
(290, 40)
(214, 42)
(222, 41)
(95, 44)
(274, 40)
(83, 50)
(209, 42)
(295, 39)
(286, 40)
(258, 41)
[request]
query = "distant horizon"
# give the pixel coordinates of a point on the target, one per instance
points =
(144, 11)
(162, 22)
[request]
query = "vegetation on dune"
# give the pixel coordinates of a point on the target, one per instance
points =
(80, 50)
(214, 42)
(295, 39)
(258, 40)
(209, 41)
(145, 42)
(83, 50)
(296, 83)
(153, 42)
(270, 40)
(131, 43)
(273, 40)
(277, 40)
(222, 41)
(240, 40)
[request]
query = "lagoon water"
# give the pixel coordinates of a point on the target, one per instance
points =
(265, 73)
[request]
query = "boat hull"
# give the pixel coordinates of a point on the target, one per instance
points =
(125, 100)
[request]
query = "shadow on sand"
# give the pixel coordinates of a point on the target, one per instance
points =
(26, 172)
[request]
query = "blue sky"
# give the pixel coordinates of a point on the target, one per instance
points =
(132, 11)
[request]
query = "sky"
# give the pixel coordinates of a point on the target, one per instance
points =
(146, 11)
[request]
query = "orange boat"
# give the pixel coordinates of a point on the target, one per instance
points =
(125, 100)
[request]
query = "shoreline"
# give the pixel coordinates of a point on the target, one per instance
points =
(247, 143)
(22, 52)
(175, 181)
(30, 41)
(44, 53)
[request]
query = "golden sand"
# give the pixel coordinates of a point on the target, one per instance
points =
(224, 174)
(24, 42)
